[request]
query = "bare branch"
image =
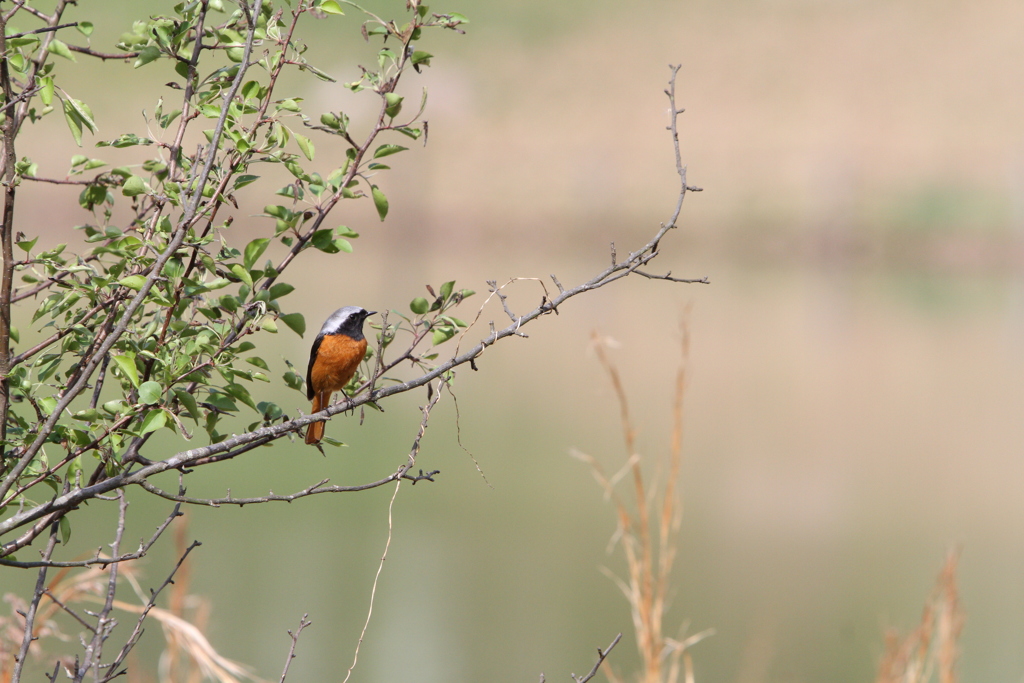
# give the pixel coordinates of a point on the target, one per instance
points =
(668, 276)
(33, 608)
(104, 623)
(601, 656)
(137, 632)
(303, 623)
(70, 611)
(44, 29)
(124, 56)
(98, 559)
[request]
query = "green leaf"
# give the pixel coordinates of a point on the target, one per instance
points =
(46, 90)
(241, 393)
(281, 289)
(148, 54)
(324, 241)
(150, 393)
(253, 251)
(134, 186)
(251, 90)
(393, 104)
(58, 47)
(380, 201)
(116, 406)
(27, 245)
(446, 289)
(258, 362)
(87, 415)
(413, 133)
(65, 530)
(222, 402)
(295, 321)
(442, 334)
(419, 305)
(154, 420)
(243, 180)
(85, 28)
(47, 404)
(388, 150)
(330, 7)
(135, 282)
(127, 366)
(420, 57)
(189, 402)
(84, 113)
(305, 144)
(242, 274)
(74, 122)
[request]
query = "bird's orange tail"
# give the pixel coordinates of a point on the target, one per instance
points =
(315, 431)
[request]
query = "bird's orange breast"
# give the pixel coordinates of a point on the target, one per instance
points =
(336, 361)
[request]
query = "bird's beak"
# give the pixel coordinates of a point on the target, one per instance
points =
(369, 313)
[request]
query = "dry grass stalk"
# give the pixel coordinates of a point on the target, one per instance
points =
(931, 650)
(650, 552)
(188, 657)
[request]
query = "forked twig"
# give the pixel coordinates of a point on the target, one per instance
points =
(601, 656)
(303, 623)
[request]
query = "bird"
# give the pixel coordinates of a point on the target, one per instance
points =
(337, 351)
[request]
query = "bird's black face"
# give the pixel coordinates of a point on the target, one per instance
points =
(354, 327)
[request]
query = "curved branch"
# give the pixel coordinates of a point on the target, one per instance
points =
(238, 444)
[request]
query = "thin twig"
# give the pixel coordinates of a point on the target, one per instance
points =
(44, 29)
(104, 623)
(373, 591)
(137, 632)
(303, 623)
(601, 655)
(33, 608)
(98, 559)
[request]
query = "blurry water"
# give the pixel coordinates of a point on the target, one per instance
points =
(846, 426)
(844, 430)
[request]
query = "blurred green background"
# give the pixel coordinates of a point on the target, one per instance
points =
(855, 387)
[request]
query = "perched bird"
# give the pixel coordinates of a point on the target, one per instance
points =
(337, 352)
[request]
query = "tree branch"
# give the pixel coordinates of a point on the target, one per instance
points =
(303, 623)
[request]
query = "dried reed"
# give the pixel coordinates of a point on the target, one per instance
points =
(648, 535)
(188, 655)
(931, 650)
